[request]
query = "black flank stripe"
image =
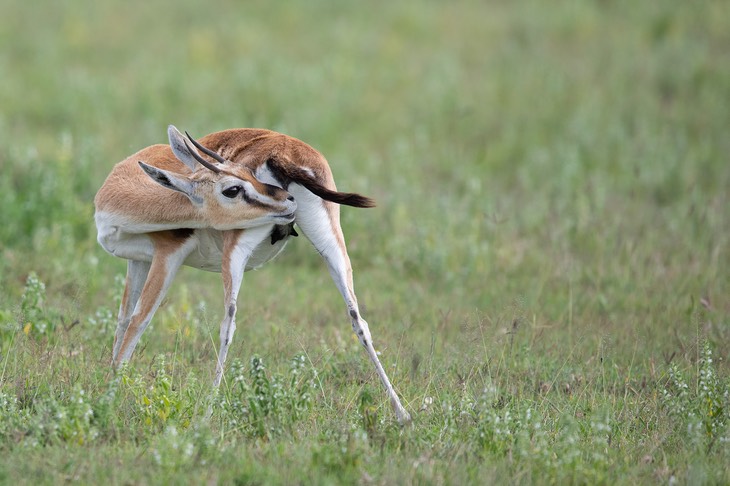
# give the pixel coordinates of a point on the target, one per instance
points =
(182, 233)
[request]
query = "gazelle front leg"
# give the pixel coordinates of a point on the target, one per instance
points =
(170, 251)
(238, 245)
(320, 223)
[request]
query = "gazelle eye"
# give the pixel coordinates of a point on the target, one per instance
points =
(232, 192)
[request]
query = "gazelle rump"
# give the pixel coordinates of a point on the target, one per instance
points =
(228, 210)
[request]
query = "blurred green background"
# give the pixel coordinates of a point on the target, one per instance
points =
(518, 151)
(549, 174)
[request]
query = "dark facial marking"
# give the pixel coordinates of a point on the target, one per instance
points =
(254, 202)
(271, 190)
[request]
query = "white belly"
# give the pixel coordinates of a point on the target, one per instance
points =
(207, 255)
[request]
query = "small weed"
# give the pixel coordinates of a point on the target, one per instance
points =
(264, 404)
(701, 411)
(174, 449)
(68, 418)
(368, 412)
(341, 453)
(157, 403)
(103, 321)
(36, 321)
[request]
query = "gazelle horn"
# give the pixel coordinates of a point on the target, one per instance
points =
(200, 159)
(206, 150)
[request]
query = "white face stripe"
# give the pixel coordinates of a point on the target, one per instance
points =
(256, 196)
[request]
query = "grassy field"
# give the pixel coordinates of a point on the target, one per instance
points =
(546, 275)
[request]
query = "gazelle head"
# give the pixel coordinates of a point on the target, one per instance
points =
(227, 195)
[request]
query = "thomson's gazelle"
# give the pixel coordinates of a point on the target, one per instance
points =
(230, 213)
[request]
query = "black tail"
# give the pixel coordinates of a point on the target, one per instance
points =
(346, 198)
(295, 174)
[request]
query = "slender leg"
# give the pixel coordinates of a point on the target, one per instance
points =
(238, 245)
(321, 225)
(170, 253)
(136, 275)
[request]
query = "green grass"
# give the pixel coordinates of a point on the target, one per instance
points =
(546, 275)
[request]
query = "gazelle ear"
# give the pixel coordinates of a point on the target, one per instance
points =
(181, 149)
(172, 181)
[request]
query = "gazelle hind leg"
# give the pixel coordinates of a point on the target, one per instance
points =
(238, 245)
(321, 225)
(170, 253)
(136, 275)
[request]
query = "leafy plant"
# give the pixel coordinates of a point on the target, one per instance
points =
(36, 321)
(157, 403)
(68, 418)
(263, 404)
(701, 411)
(174, 449)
